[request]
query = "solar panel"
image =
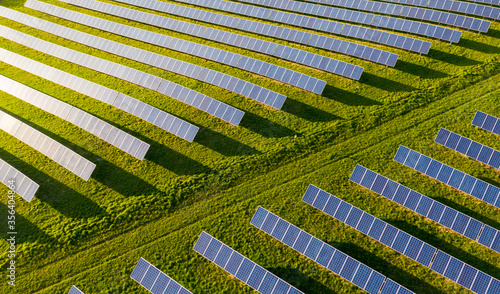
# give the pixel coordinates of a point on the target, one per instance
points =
(75, 290)
(469, 147)
(491, 2)
(322, 253)
(253, 26)
(486, 122)
(154, 280)
(235, 60)
(143, 56)
(457, 6)
(398, 240)
(406, 43)
(23, 186)
(387, 22)
(49, 147)
(247, 271)
(427, 207)
(125, 73)
(448, 175)
(441, 17)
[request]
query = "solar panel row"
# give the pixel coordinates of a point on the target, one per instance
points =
(448, 175)
(344, 47)
(126, 103)
(75, 290)
(487, 122)
(441, 17)
(154, 280)
(247, 271)
(49, 147)
(23, 186)
(82, 119)
(316, 61)
(343, 265)
(178, 92)
(457, 6)
(492, 2)
(332, 27)
(225, 57)
(380, 21)
(427, 207)
(173, 65)
(440, 262)
(469, 147)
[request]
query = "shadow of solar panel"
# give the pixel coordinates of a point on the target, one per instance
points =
(88, 122)
(75, 290)
(22, 185)
(486, 122)
(64, 156)
(157, 39)
(450, 176)
(154, 280)
(244, 269)
(94, 63)
(319, 251)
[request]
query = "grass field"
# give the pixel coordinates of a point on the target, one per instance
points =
(91, 234)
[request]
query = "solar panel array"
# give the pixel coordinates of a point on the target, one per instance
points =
(336, 45)
(441, 17)
(75, 290)
(492, 2)
(387, 22)
(448, 175)
(331, 27)
(49, 147)
(82, 119)
(343, 265)
(126, 103)
(441, 262)
(178, 92)
(24, 186)
(469, 147)
(487, 122)
(170, 64)
(225, 57)
(457, 6)
(427, 207)
(314, 60)
(154, 280)
(247, 271)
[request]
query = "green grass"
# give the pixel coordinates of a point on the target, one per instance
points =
(92, 233)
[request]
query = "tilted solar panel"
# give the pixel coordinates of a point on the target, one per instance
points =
(154, 280)
(334, 260)
(491, 2)
(469, 147)
(178, 92)
(75, 290)
(23, 186)
(49, 147)
(411, 247)
(221, 56)
(170, 64)
(427, 207)
(353, 49)
(247, 271)
(387, 22)
(333, 66)
(448, 175)
(487, 122)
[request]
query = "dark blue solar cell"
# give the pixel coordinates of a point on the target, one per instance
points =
(423, 164)
(269, 223)
(150, 277)
(456, 179)
(467, 184)
(445, 174)
(442, 136)
(485, 154)
(426, 254)
(379, 184)
(479, 189)
(365, 223)
(453, 269)
(256, 277)
(412, 200)
(293, 291)
(325, 255)
(342, 211)
(453, 141)
(374, 283)
(223, 256)
(390, 287)
(234, 263)
(479, 118)
(173, 288)
(390, 189)
(160, 284)
(494, 287)
(331, 206)
(495, 245)
(213, 249)
(491, 194)
(467, 276)
(313, 248)
(368, 179)
(495, 159)
(474, 149)
(357, 174)
(291, 235)
(280, 229)
(349, 268)
(401, 241)
(268, 284)
(436, 211)
(337, 262)
(258, 217)
(473, 229)
(281, 287)
(413, 248)
(139, 270)
(388, 235)
(440, 262)
(377, 229)
(489, 123)
(321, 200)
(354, 217)
(424, 205)
(245, 269)
(460, 223)
(202, 243)
(362, 275)
(481, 283)
(448, 217)
(401, 195)
(412, 159)
(487, 236)
(401, 154)
(302, 242)
(434, 168)
(310, 194)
